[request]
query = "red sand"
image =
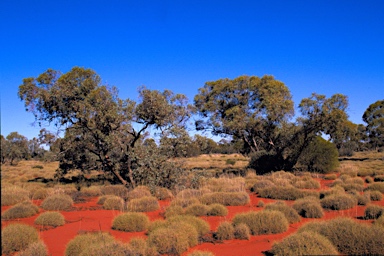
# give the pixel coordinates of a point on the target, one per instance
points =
(90, 217)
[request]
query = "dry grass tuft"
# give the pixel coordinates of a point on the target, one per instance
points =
(308, 207)
(54, 219)
(143, 204)
(80, 244)
(291, 215)
(57, 202)
(225, 231)
(131, 222)
(114, 203)
(11, 195)
(35, 249)
(338, 202)
(20, 210)
(226, 198)
(373, 212)
(17, 237)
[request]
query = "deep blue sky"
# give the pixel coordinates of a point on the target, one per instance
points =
(323, 46)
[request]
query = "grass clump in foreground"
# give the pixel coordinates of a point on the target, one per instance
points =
(339, 202)
(373, 212)
(57, 202)
(143, 204)
(131, 222)
(35, 249)
(374, 195)
(349, 236)
(225, 231)
(113, 203)
(379, 186)
(291, 215)
(308, 207)
(226, 198)
(305, 243)
(263, 222)
(82, 243)
(20, 210)
(17, 237)
(54, 219)
(242, 232)
(13, 194)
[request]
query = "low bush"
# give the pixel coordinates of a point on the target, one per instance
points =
(114, 203)
(308, 207)
(157, 224)
(349, 236)
(143, 204)
(260, 204)
(225, 231)
(330, 177)
(40, 193)
(163, 193)
(197, 210)
(109, 249)
(91, 191)
(242, 232)
(12, 195)
(373, 212)
(369, 179)
(102, 199)
(184, 202)
(379, 178)
(379, 186)
(305, 243)
(202, 227)
(286, 193)
(262, 184)
(57, 202)
(307, 184)
(35, 249)
(131, 222)
(191, 193)
(117, 190)
(263, 222)
(171, 241)
(81, 244)
(17, 237)
(352, 186)
(54, 219)
(365, 172)
(67, 189)
(20, 210)
(338, 202)
(225, 184)
(141, 248)
(226, 198)
(363, 199)
(355, 180)
(173, 211)
(375, 195)
(217, 210)
(289, 213)
(139, 192)
(380, 221)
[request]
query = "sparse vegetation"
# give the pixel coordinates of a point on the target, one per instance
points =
(20, 210)
(57, 202)
(242, 232)
(54, 219)
(17, 237)
(197, 210)
(35, 249)
(217, 210)
(114, 203)
(373, 212)
(82, 243)
(143, 204)
(11, 195)
(291, 215)
(225, 231)
(338, 202)
(131, 222)
(286, 193)
(308, 207)
(226, 198)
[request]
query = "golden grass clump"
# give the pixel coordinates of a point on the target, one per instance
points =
(67, 189)
(102, 199)
(57, 202)
(330, 176)
(291, 215)
(40, 193)
(305, 243)
(17, 237)
(114, 203)
(11, 195)
(35, 249)
(348, 236)
(163, 193)
(82, 243)
(54, 219)
(21, 210)
(225, 231)
(201, 226)
(363, 199)
(109, 249)
(226, 198)
(224, 184)
(261, 184)
(201, 253)
(197, 210)
(307, 183)
(338, 202)
(173, 210)
(263, 222)
(143, 204)
(141, 248)
(139, 192)
(131, 222)
(308, 207)
(117, 190)
(192, 193)
(184, 202)
(379, 186)
(380, 221)
(286, 193)
(217, 210)
(242, 232)
(369, 179)
(374, 195)
(373, 212)
(91, 191)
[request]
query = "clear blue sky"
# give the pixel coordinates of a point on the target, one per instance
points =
(323, 46)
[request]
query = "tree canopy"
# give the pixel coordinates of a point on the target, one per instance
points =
(374, 117)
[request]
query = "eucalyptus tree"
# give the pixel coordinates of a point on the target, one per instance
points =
(374, 117)
(102, 131)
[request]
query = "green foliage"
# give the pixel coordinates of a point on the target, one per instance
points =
(54, 219)
(17, 237)
(338, 202)
(308, 207)
(304, 243)
(373, 212)
(374, 117)
(82, 243)
(143, 204)
(288, 211)
(225, 231)
(131, 222)
(13, 148)
(114, 203)
(35, 249)
(263, 222)
(226, 198)
(20, 210)
(13, 195)
(57, 202)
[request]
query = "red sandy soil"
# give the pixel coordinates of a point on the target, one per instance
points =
(90, 217)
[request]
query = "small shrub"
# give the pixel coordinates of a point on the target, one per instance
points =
(338, 202)
(225, 231)
(242, 232)
(143, 204)
(330, 177)
(41, 193)
(375, 195)
(307, 184)
(35, 249)
(305, 243)
(260, 204)
(140, 247)
(117, 190)
(65, 189)
(58, 202)
(184, 202)
(163, 193)
(226, 198)
(365, 172)
(217, 210)
(380, 221)
(191, 193)
(201, 253)
(54, 219)
(308, 207)
(12, 195)
(173, 211)
(286, 193)
(291, 215)
(373, 212)
(139, 192)
(114, 203)
(81, 243)
(200, 225)
(262, 184)
(17, 237)
(109, 249)
(102, 199)
(131, 222)
(157, 224)
(369, 179)
(197, 210)
(20, 210)
(91, 191)
(379, 186)
(171, 241)
(363, 199)
(352, 186)
(264, 222)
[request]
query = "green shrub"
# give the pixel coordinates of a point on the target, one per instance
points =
(114, 203)
(373, 212)
(375, 195)
(305, 243)
(330, 177)
(263, 222)
(131, 222)
(139, 192)
(200, 225)
(117, 190)
(201, 253)
(226, 198)
(12, 195)
(286, 193)
(50, 219)
(349, 236)
(91, 191)
(20, 210)
(35, 249)
(173, 211)
(338, 202)
(289, 213)
(184, 202)
(379, 186)
(17, 237)
(197, 210)
(143, 204)
(81, 243)
(225, 231)
(308, 207)
(58, 202)
(217, 210)
(163, 193)
(242, 232)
